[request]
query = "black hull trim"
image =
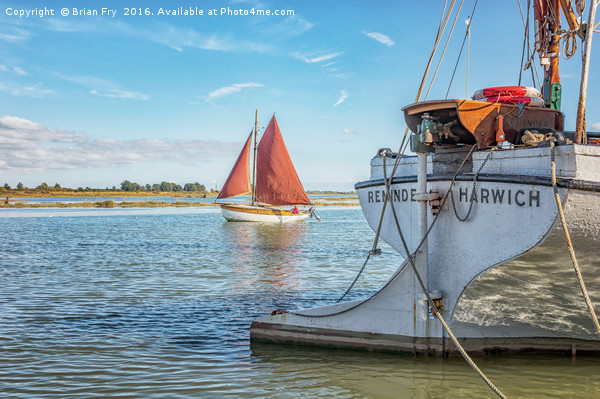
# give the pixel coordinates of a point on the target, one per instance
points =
(583, 185)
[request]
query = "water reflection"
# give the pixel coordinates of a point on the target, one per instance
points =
(351, 374)
(265, 256)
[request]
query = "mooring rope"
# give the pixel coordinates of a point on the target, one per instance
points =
(586, 296)
(410, 259)
(425, 290)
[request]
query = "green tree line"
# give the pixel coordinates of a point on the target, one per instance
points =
(125, 186)
(163, 186)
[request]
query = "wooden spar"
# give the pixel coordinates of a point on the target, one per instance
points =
(580, 133)
(254, 160)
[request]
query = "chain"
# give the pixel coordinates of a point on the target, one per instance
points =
(472, 192)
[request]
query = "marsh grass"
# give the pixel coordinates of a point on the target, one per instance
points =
(351, 200)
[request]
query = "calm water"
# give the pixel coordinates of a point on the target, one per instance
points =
(157, 303)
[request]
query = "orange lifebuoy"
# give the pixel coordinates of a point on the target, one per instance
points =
(506, 91)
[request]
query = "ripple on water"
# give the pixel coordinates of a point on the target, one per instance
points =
(159, 305)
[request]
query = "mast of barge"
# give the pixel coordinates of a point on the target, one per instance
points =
(580, 132)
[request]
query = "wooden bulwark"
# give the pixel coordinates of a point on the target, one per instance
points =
(477, 119)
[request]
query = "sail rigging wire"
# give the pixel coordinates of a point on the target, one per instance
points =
(525, 37)
(563, 221)
(530, 51)
(445, 47)
(441, 28)
(467, 33)
(404, 142)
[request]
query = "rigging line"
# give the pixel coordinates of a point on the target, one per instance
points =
(445, 47)
(400, 153)
(563, 221)
(534, 71)
(435, 46)
(526, 25)
(441, 19)
(461, 49)
(524, 41)
(430, 302)
(397, 272)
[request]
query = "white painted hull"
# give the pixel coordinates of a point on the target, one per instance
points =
(249, 213)
(504, 274)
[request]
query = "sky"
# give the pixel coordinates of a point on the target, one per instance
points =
(147, 96)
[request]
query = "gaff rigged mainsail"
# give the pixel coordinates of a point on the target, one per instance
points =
(277, 182)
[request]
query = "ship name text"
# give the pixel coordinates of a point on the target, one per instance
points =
(521, 198)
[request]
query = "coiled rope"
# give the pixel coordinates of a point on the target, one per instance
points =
(586, 296)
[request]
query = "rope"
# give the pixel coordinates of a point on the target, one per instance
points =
(461, 49)
(441, 28)
(410, 259)
(445, 47)
(524, 39)
(432, 305)
(357, 276)
(569, 44)
(388, 184)
(586, 296)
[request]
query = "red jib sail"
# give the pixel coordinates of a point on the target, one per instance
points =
(277, 182)
(238, 182)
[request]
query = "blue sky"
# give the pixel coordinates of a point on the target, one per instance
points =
(94, 100)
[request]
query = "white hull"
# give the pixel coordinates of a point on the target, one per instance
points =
(504, 275)
(249, 213)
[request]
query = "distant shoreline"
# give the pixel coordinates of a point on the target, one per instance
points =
(20, 201)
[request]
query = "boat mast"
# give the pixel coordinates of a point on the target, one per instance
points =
(547, 35)
(580, 133)
(254, 160)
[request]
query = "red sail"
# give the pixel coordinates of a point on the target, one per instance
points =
(238, 182)
(277, 182)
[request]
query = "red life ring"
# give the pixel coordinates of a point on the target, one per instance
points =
(522, 100)
(506, 91)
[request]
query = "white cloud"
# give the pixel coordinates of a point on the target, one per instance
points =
(173, 36)
(120, 94)
(13, 35)
(14, 69)
(290, 27)
(35, 91)
(349, 131)
(343, 97)
(596, 127)
(29, 147)
(380, 37)
(314, 58)
(228, 90)
(102, 87)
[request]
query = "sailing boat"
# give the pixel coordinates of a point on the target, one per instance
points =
(483, 219)
(275, 182)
